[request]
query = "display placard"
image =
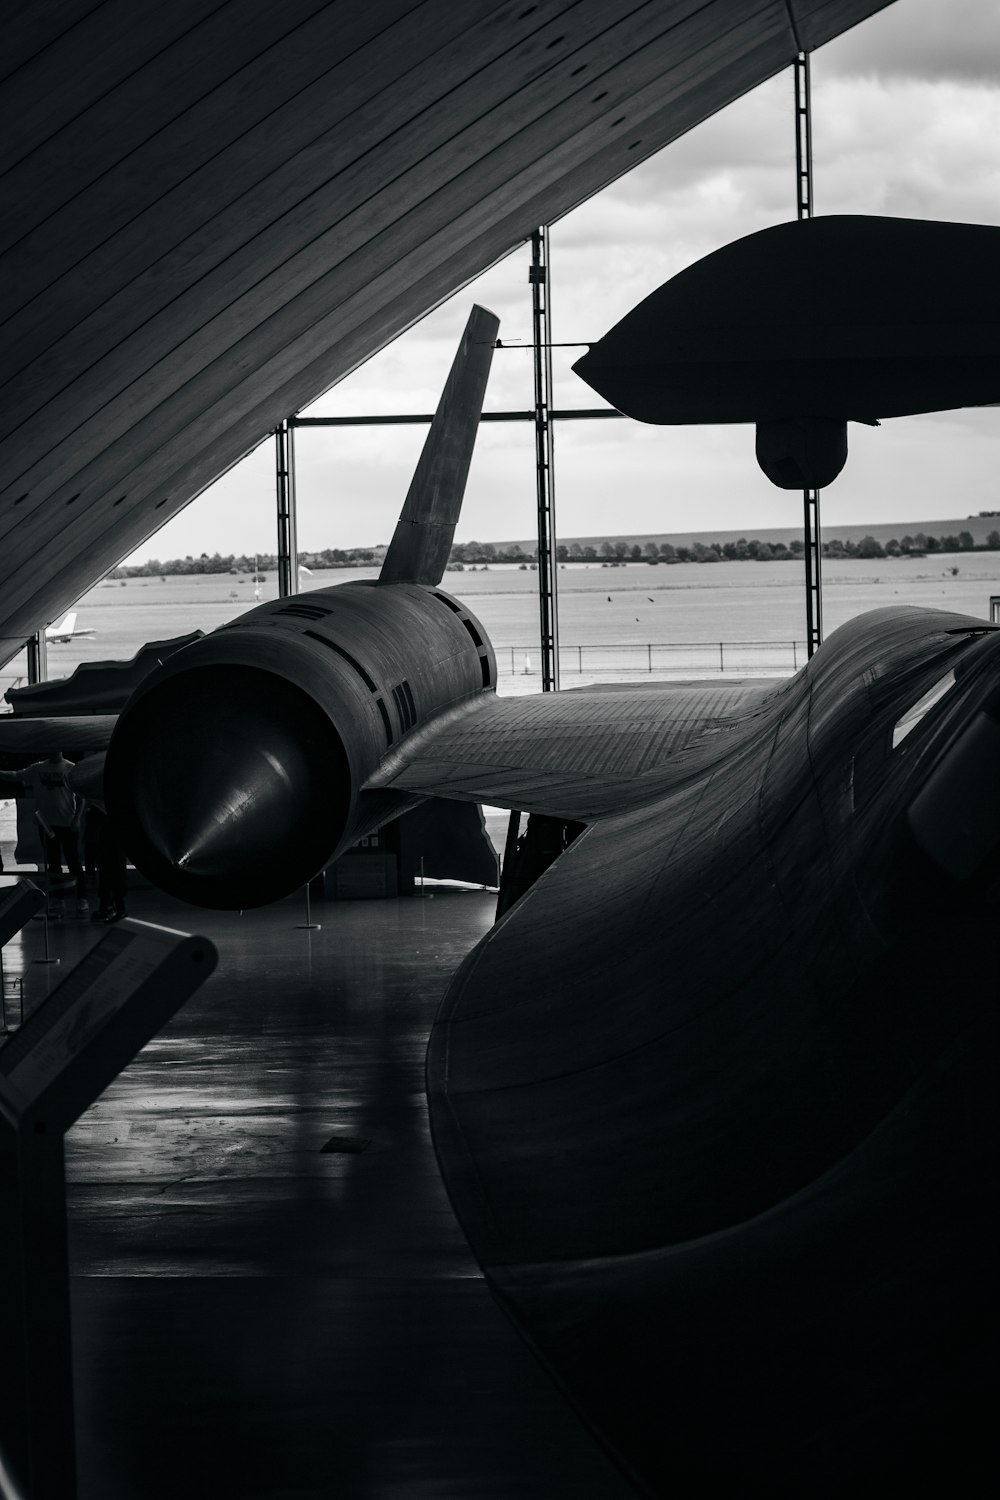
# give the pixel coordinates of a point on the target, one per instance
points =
(20, 898)
(66, 1053)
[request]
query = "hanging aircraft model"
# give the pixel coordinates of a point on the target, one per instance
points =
(806, 326)
(714, 1099)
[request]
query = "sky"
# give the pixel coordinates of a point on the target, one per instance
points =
(906, 122)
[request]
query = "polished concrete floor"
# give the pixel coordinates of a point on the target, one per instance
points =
(271, 1295)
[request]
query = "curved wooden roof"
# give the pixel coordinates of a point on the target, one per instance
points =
(214, 212)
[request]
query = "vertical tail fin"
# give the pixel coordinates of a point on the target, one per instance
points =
(422, 540)
(63, 627)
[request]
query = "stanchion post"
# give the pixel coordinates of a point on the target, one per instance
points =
(309, 925)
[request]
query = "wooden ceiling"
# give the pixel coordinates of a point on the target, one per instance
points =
(213, 211)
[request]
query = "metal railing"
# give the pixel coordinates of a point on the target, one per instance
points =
(632, 659)
(658, 658)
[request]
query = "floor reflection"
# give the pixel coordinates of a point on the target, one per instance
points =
(254, 1315)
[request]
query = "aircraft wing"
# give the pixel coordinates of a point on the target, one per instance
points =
(86, 734)
(578, 755)
(713, 1101)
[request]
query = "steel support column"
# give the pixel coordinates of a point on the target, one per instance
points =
(804, 209)
(548, 604)
(803, 139)
(814, 566)
(38, 657)
(284, 467)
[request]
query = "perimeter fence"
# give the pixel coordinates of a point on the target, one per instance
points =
(611, 663)
(663, 659)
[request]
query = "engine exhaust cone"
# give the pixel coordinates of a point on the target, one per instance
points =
(229, 786)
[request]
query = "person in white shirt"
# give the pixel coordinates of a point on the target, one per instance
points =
(58, 811)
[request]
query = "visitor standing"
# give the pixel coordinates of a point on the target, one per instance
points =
(58, 812)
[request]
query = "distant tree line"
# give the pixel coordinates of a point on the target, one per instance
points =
(243, 563)
(740, 550)
(611, 553)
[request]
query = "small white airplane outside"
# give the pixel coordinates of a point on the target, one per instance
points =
(65, 630)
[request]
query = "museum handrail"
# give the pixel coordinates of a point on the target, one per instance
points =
(641, 656)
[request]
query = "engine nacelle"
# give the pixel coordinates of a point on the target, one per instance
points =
(236, 771)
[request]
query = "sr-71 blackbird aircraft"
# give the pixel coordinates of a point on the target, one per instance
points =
(714, 1100)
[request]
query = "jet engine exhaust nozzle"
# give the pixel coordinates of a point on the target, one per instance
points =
(230, 787)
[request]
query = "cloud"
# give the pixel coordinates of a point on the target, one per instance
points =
(907, 149)
(930, 40)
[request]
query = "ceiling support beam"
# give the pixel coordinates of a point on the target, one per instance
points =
(38, 658)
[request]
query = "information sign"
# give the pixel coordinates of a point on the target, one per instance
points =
(64, 1056)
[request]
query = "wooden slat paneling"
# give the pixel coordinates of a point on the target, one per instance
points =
(356, 147)
(482, 181)
(224, 146)
(83, 69)
(31, 26)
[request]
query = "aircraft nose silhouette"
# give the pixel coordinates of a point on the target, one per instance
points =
(230, 787)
